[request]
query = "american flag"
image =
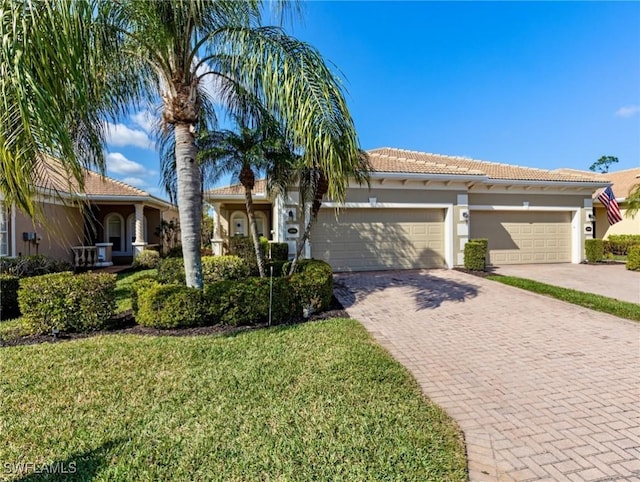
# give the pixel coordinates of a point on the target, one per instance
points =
(608, 200)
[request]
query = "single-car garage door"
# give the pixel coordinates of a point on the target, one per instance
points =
(377, 239)
(524, 237)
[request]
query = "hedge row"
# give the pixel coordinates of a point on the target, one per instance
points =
(214, 269)
(235, 302)
(475, 254)
(619, 244)
(633, 258)
(67, 301)
(9, 285)
(594, 250)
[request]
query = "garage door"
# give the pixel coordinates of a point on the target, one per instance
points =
(377, 239)
(521, 238)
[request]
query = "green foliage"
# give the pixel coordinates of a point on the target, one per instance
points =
(35, 265)
(594, 250)
(312, 286)
(633, 258)
(619, 244)
(68, 302)
(278, 268)
(147, 259)
(602, 165)
(219, 268)
(174, 252)
(475, 254)
(139, 284)
(9, 285)
(246, 302)
(242, 246)
(279, 251)
(170, 306)
(171, 270)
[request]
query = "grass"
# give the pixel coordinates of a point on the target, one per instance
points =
(317, 401)
(622, 309)
(123, 287)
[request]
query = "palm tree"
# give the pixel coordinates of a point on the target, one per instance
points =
(159, 50)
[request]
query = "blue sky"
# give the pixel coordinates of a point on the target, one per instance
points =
(540, 84)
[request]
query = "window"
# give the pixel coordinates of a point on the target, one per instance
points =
(4, 231)
(238, 224)
(114, 231)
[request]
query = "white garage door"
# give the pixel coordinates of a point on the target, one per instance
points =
(378, 239)
(521, 238)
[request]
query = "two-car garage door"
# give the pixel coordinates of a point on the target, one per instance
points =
(380, 238)
(524, 237)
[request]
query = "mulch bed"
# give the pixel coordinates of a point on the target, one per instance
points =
(127, 326)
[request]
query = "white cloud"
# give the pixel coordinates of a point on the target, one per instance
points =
(144, 119)
(134, 181)
(118, 164)
(121, 135)
(210, 83)
(628, 110)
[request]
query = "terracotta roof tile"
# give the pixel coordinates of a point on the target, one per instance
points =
(388, 159)
(260, 187)
(622, 182)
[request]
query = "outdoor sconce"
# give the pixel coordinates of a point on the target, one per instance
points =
(465, 215)
(290, 216)
(591, 217)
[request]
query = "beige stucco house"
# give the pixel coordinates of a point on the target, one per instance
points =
(421, 209)
(623, 183)
(107, 222)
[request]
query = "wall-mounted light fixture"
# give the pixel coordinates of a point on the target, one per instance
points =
(591, 217)
(290, 216)
(465, 214)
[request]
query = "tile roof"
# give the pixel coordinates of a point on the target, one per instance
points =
(622, 182)
(388, 159)
(260, 187)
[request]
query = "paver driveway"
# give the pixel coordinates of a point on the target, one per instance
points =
(542, 389)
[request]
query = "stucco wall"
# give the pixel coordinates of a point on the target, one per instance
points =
(628, 225)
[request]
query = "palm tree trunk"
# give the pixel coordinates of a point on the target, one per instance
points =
(189, 203)
(253, 228)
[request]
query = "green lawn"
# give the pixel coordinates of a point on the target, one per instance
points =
(316, 401)
(622, 309)
(123, 287)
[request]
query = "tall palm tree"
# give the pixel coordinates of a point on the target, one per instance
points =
(159, 50)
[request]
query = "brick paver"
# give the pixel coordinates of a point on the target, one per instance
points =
(543, 390)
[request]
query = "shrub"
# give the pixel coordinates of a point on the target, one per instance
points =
(219, 268)
(312, 286)
(475, 254)
(68, 302)
(619, 244)
(594, 250)
(242, 246)
(36, 265)
(9, 285)
(246, 302)
(279, 251)
(147, 259)
(170, 306)
(175, 252)
(278, 268)
(633, 258)
(139, 284)
(171, 270)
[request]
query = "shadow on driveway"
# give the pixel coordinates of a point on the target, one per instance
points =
(428, 289)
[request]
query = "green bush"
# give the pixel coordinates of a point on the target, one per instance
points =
(139, 284)
(242, 246)
(312, 286)
(619, 244)
(171, 270)
(246, 302)
(175, 252)
(170, 306)
(147, 259)
(35, 265)
(594, 250)
(279, 251)
(278, 268)
(9, 285)
(219, 268)
(633, 258)
(475, 254)
(68, 302)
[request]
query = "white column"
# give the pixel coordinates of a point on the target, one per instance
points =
(216, 241)
(140, 243)
(307, 218)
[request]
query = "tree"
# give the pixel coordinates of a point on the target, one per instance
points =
(68, 66)
(633, 201)
(243, 154)
(602, 165)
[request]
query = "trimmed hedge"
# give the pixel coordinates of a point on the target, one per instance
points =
(633, 258)
(139, 284)
(475, 254)
(235, 302)
(279, 251)
(220, 268)
(147, 259)
(620, 244)
(9, 285)
(242, 246)
(68, 302)
(594, 250)
(171, 270)
(170, 306)
(35, 265)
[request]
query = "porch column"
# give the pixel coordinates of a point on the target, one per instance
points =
(140, 243)
(216, 241)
